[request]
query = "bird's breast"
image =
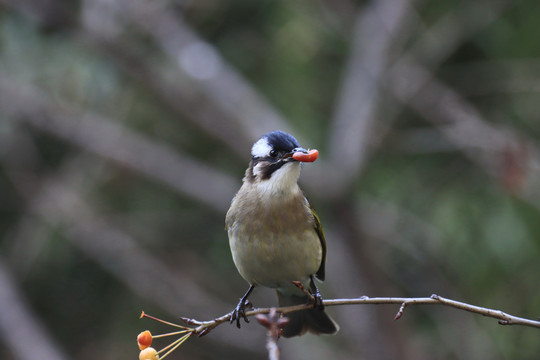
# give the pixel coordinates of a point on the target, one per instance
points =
(273, 244)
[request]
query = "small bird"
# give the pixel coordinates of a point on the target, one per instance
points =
(276, 237)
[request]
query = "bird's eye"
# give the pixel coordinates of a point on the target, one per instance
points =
(273, 153)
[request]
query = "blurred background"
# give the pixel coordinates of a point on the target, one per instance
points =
(126, 127)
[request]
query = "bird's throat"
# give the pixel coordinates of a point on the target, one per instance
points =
(282, 184)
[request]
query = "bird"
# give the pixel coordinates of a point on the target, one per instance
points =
(275, 235)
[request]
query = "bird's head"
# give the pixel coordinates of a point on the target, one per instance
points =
(275, 161)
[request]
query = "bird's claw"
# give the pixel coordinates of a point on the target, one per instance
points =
(240, 312)
(313, 294)
(317, 300)
(316, 295)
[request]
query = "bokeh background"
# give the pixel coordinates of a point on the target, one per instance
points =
(125, 130)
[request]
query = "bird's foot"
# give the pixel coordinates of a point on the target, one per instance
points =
(316, 295)
(239, 312)
(313, 293)
(317, 300)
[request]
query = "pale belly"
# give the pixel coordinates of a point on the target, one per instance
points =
(273, 240)
(277, 259)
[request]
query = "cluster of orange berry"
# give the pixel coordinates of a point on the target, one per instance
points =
(147, 353)
(144, 340)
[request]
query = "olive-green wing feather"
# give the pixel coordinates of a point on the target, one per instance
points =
(320, 233)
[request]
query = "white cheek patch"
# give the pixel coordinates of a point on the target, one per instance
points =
(261, 148)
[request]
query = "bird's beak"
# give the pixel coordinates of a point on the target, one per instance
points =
(303, 155)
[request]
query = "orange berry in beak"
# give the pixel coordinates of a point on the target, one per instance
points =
(311, 156)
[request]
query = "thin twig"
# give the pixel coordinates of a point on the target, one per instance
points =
(273, 322)
(204, 327)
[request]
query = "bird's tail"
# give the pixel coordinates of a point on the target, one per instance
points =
(314, 320)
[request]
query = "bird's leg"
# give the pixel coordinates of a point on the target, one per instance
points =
(240, 310)
(318, 300)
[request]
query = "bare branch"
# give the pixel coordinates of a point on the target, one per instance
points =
(204, 327)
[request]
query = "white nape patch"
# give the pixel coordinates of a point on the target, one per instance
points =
(261, 148)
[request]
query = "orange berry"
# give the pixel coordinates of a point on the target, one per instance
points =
(311, 156)
(148, 354)
(144, 339)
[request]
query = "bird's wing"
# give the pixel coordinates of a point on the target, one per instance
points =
(320, 233)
